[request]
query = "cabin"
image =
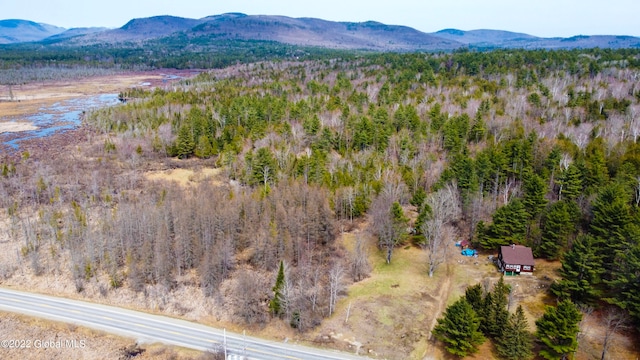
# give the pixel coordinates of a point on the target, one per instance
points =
(515, 259)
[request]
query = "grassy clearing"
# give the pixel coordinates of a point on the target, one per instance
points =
(379, 307)
(405, 275)
(186, 177)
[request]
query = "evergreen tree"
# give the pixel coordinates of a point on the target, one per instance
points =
(478, 130)
(184, 143)
(418, 197)
(464, 172)
(400, 222)
(475, 297)
(581, 273)
(276, 305)
(595, 166)
(570, 183)
(611, 215)
(516, 342)
(363, 136)
(311, 125)
(558, 223)
(496, 313)
(437, 118)
(558, 330)
(455, 132)
(203, 149)
(535, 189)
(263, 167)
(625, 285)
(509, 226)
(423, 215)
(459, 329)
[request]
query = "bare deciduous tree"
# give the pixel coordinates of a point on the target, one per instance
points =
(360, 267)
(249, 291)
(614, 320)
(383, 224)
(445, 208)
(335, 285)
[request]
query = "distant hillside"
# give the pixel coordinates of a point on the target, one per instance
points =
(19, 31)
(505, 39)
(296, 31)
(583, 42)
(74, 32)
(488, 37)
(144, 29)
(317, 32)
(368, 35)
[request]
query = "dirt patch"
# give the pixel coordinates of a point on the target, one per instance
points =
(591, 340)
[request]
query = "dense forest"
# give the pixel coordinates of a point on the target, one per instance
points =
(23, 63)
(538, 148)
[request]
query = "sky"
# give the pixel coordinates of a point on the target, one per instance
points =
(545, 18)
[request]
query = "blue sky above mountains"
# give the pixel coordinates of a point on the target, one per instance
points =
(545, 18)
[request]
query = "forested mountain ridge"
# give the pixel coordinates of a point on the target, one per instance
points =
(17, 31)
(294, 31)
(497, 39)
(368, 35)
(538, 148)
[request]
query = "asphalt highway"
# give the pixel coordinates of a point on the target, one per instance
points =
(153, 328)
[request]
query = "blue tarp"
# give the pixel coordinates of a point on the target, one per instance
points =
(469, 252)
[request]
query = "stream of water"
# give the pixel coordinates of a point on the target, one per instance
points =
(61, 116)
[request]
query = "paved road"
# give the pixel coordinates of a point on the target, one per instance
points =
(153, 328)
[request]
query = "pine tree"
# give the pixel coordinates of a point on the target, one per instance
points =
(581, 273)
(570, 183)
(475, 297)
(184, 143)
(558, 223)
(264, 167)
(424, 214)
(496, 313)
(459, 329)
(611, 215)
(478, 130)
(535, 189)
(400, 222)
(558, 330)
(276, 304)
(455, 132)
(509, 226)
(204, 149)
(516, 342)
(595, 166)
(311, 125)
(625, 285)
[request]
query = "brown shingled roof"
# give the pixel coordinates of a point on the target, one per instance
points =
(517, 255)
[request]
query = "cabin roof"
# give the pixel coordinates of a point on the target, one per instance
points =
(517, 255)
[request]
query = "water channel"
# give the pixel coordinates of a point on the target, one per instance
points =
(61, 116)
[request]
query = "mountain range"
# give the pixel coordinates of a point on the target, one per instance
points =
(368, 35)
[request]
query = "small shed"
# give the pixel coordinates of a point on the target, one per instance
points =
(464, 244)
(515, 259)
